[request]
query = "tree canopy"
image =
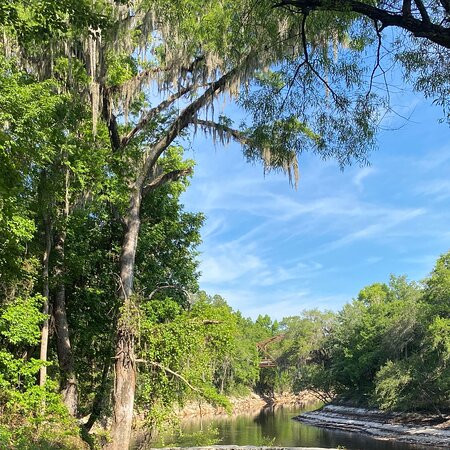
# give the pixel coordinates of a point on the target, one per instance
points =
(420, 41)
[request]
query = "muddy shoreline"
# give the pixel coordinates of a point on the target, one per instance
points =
(408, 428)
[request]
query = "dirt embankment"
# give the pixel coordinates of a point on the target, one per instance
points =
(410, 428)
(252, 403)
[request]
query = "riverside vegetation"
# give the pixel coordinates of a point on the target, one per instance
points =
(389, 349)
(100, 314)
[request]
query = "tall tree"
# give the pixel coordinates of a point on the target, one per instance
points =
(198, 62)
(192, 53)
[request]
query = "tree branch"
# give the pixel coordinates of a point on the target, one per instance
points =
(171, 286)
(336, 97)
(406, 8)
(377, 61)
(141, 76)
(423, 11)
(446, 5)
(235, 134)
(297, 70)
(176, 374)
(420, 28)
(174, 175)
(185, 118)
(116, 141)
(153, 113)
(111, 122)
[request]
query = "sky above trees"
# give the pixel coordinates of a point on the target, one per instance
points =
(268, 248)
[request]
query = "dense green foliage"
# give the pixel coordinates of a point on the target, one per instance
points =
(390, 347)
(88, 156)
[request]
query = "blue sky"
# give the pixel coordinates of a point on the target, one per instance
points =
(271, 249)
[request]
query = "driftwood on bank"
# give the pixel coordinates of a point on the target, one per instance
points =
(381, 425)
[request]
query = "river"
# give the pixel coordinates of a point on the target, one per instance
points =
(273, 427)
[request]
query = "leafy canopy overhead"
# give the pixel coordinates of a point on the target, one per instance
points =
(420, 40)
(194, 51)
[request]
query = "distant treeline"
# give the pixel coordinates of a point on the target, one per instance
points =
(389, 348)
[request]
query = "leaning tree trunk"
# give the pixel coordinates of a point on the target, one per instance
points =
(45, 308)
(69, 385)
(125, 369)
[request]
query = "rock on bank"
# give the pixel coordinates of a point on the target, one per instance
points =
(413, 429)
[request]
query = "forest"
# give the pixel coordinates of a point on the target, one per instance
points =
(101, 314)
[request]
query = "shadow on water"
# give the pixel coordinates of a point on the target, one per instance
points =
(273, 427)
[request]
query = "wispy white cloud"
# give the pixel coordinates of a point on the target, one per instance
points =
(270, 249)
(438, 189)
(236, 263)
(279, 304)
(375, 230)
(228, 266)
(433, 158)
(361, 175)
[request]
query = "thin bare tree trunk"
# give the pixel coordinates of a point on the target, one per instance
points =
(69, 386)
(45, 308)
(125, 369)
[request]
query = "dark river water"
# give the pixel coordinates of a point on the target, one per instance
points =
(272, 427)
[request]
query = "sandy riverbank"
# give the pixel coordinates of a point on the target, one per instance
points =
(251, 403)
(409, 428)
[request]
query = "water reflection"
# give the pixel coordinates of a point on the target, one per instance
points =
(275, 427)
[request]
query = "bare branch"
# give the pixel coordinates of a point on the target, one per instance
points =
(176, 374)
(162, 287)
(377, 61)
(116, 141)
(446, 5)
(406, 8)
(152, 114)
(297, 70)
(185, 118)
(164, 178)
(171, 286)
(111, 122)
(144, 74)
(423, 11)
(336, 97)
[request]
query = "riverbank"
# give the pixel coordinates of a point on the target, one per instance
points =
(407, 428)
(251, 403)
(243, 447)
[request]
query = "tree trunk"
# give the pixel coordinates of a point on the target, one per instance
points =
(97, 404)
(45, 308)
(69, 386)
(125, 370)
